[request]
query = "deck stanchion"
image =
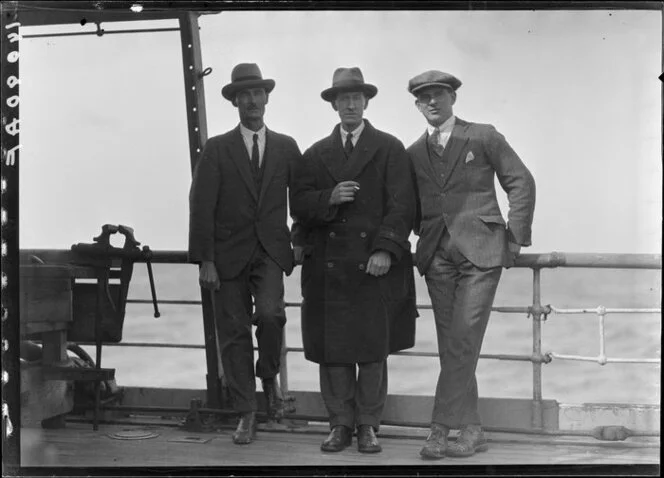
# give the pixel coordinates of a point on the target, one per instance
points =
(283, 367)
(192, 64)
(601, 313)
(197, 128)
(102, 283)
(537, 351)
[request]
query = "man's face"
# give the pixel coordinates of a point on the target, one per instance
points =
(350, 105)
(435, 103)
(251, 104)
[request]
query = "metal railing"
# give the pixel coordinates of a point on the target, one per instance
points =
(536, 311)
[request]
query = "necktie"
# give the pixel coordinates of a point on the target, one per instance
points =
(254, 155)
(434, 142)
(348, 147)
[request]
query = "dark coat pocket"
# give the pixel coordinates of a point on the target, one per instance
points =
(492, 219)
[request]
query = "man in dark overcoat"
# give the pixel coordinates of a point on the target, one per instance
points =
(355, 198)
(464, 244)
(239, 235)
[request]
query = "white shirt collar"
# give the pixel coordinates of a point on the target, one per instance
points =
(248, 140)
(356, 133)
(446, 127)
(249, 134)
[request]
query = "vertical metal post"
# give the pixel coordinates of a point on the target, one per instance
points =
(102, 284)
(601, 314)
(192, 65)
(537, 351)
(194, 89)
(9, 138)
(283, 367)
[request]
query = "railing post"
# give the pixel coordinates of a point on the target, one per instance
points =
(192, 65)
(283, 368)
(536, 420)
(601, 313)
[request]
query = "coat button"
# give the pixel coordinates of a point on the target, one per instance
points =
(343, 219)
(332, 234)
(330, 265)
(363, 234)
(361, 267)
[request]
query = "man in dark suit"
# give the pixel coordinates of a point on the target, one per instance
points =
(239, 235)
(354, 197)
(463, 245)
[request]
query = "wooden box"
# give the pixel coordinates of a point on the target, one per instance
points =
(46, 302)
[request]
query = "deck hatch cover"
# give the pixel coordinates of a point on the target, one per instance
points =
(133, 434)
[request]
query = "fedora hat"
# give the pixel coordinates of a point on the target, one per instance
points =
(348, 79)
(433, 78)
(243, 76)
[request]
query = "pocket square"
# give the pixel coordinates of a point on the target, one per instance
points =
(470, 156)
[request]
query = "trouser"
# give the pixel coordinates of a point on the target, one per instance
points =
(354, 394)
(262, 278)
(462, 296)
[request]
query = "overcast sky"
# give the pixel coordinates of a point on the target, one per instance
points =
(576, 93)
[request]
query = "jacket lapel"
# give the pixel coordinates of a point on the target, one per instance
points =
(271, 158)
(238, 153)
(363, 152)
(420, 156)
(455, 145)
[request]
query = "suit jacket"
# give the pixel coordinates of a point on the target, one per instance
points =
(464, 200)
(229, 215)
(349, 316)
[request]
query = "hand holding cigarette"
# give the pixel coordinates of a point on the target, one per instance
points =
(344, 192)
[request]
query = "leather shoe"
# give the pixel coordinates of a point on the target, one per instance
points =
(470, 440)
(366, 440)
(436, 445)
(273, 399)
(339, 438)
(246, 429)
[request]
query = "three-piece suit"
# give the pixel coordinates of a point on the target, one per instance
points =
(238, 219)
(463, 246)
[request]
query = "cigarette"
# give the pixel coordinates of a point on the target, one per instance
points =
(357, 188)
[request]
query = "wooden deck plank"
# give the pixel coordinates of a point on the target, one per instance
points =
(79, 446)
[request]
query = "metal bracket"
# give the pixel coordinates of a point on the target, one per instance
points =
(100, 30)
(194, 420)
(205, 72)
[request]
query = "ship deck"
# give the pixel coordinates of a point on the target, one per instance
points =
(278, 445)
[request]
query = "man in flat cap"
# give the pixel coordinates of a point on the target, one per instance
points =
(355, 198)
(238, 234)
(463, 245)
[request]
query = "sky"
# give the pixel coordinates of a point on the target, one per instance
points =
(576, 94)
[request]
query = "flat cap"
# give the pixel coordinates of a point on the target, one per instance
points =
(433, 78)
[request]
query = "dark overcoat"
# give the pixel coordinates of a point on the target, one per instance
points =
(463, 200)
(349, 316)
(230, 213)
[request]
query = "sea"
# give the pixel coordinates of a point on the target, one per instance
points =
(569, 382)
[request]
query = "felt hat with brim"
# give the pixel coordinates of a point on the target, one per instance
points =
(433, 78)
(348, 79)
(244, 76)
